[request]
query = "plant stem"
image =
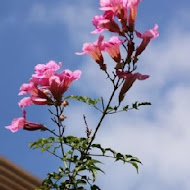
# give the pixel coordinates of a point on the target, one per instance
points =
(101, 119)
(58, 113)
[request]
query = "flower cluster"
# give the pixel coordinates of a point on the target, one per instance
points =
(119, 17)
(45, 87)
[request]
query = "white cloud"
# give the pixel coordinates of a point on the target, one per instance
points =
(74, 18)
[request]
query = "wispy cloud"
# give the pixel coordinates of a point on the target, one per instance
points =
(75, 18)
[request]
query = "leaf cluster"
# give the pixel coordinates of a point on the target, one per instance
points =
(77, 164)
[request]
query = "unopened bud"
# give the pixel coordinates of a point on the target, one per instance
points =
(65, 103)
(62, 117)
(119, 66)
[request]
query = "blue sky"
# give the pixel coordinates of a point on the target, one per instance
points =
(33, 32)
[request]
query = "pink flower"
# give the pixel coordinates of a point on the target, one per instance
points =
(110, 5)
(37, 96)
(28, 88)
(26, 125)
(26, 101)
(116, 6)
(45, 85)
(21, 122)
(61, 82)
(105, 22)
(146, 37)
(46, 70)
(94, 50)
(130, 78)
(112, 47)
(132, 5)
(31, 126)
(43, 72)
(16, 124)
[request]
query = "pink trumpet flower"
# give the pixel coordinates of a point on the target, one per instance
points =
(45, 85)
(116, 6)
(46, 70)
(59, 83)
(21, 122)
(38, 96)
(146, 37)
(105, 22)
(130, 78)
(112, 47)
(94, 50)
(132, 5)
(26, 101)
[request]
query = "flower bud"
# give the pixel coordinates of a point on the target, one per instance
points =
(65, 103)
(119, 65)
(62, 117)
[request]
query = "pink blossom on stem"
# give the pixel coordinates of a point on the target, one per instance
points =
(112, 47)
(37, 96)
(130, 78)
(21, 122)
(31, 126)
(45, 85)
(116, 6)
(46, 70)
(16, 124)
(105, 22)
(132, 5)
(26, 101)
(146, 37)
(43, 72)
(61, 82)
(94, 50)
(29, 88)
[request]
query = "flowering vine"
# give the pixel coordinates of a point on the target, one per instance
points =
(47, 87)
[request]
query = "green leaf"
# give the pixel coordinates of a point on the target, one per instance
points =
(61, 170)
(95, 187)
(110, 150)
(110, 108)
(135, 165)
(135, 105)
(144, 104)
(81, 181)
(99, 147)
(92, 162)
(94, 174)
(79, 188)
(96, 168)
(84, 99)
(125, 108)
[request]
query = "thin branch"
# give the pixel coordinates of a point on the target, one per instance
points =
(101, 119)
(102, 101)
(101, 155)
(88, 131)
(98, 109)
(52, 131)
(54, 154)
